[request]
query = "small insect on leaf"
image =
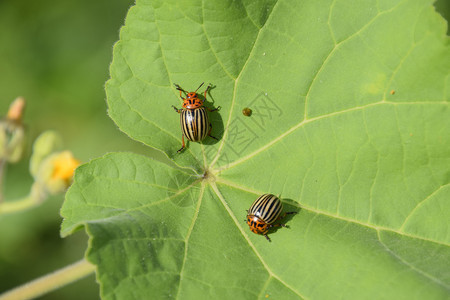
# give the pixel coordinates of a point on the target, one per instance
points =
(247, 112)
(194, 121)
(263, 214)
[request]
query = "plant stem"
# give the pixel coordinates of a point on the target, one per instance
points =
(50, 282)
(7, 207)
(2, 170)
(35, 198)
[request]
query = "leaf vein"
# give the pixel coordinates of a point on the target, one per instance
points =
(225, 134)
(186, 240)
(419, 204)
(425, 274)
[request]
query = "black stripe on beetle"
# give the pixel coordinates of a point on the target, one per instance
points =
(195, 124)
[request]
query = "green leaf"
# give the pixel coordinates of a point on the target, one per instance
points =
(350, 124)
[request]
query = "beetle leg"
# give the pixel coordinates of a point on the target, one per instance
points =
(184, 146)
(282, 217)
(180, 89)
(287, 213)
(267, 237)
(277, 225)
(177, 110)
(207, 89)
(209, 133)
(214, 109)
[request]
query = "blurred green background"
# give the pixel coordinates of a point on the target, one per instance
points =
(56, 55)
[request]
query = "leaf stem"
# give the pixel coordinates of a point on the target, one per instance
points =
(50, 282)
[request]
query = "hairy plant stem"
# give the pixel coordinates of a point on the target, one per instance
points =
(50, 282)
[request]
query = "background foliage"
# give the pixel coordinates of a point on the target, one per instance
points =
(56, 54)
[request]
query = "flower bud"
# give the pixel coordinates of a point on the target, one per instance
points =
(12, 134)
(44, 145)
(16, 108)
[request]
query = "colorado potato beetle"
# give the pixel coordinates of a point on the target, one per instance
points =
(264, 212)
(194, 121)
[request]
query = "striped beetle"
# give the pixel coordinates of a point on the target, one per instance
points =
(264, 212)
(195, 125)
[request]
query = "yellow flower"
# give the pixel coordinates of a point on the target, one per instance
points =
(55, 172)
(64, 166)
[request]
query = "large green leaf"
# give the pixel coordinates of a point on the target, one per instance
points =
(350, 124)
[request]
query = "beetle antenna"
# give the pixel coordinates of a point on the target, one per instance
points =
(199, 87)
